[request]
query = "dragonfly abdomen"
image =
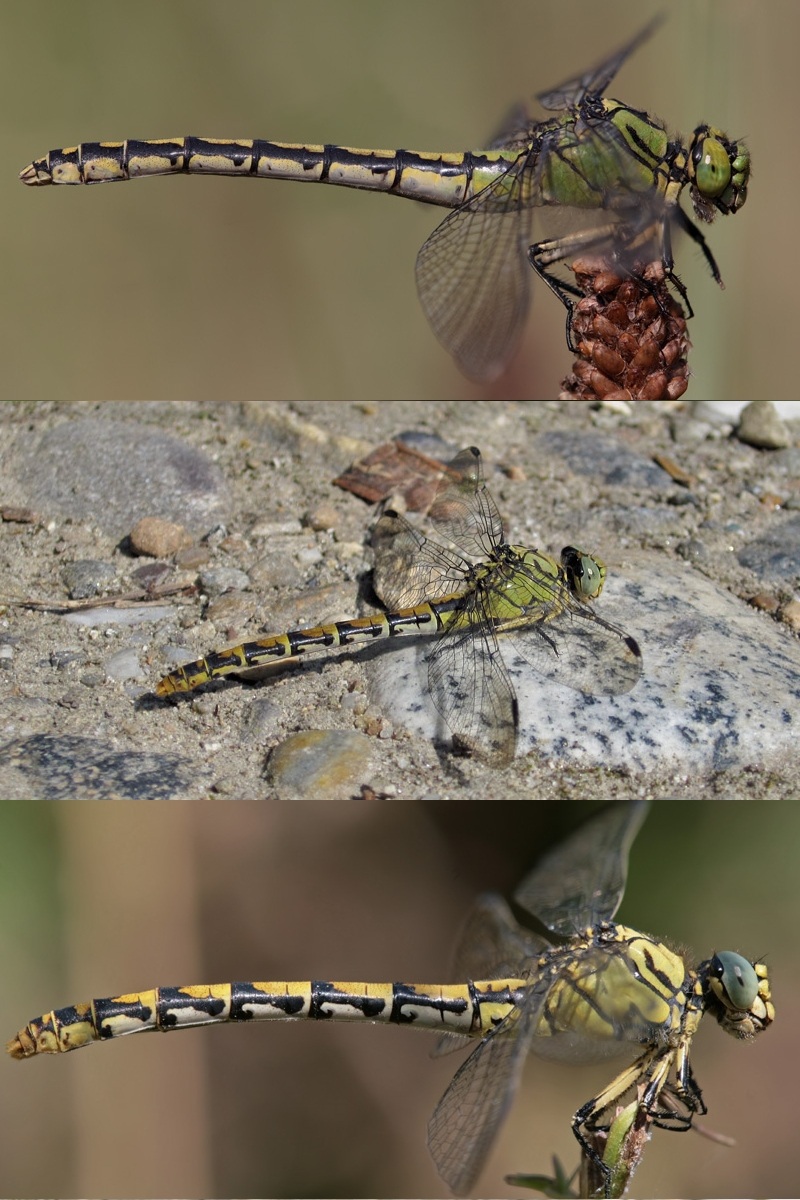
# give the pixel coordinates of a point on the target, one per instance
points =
(424, 618)
(468, 1009)
(446, 179)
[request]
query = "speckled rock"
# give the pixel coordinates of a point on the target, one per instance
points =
(49, 767)
(776, 554)
(720, 687)
(87, 577)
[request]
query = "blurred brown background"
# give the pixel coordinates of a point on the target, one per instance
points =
(225, 289)
(96, 899)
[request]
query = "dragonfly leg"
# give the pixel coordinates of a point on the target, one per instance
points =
(543, 255)
(688, 226)
(669, 264)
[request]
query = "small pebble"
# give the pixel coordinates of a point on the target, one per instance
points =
(150, 575)
(124, 665)
(324, 516)
(760, 425)
(158, 538)
(790, 615)
(216, 580)
(259, 721)
(692, 550)
(86, 578)
(192, 557)
(61, 659)
(91, 679)
(764, 601)
(320, 764)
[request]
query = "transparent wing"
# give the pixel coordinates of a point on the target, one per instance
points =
(463, 508)
(594, 81)
(578, 648)
(492, 943)
(410, 568)
(582, 880)
(473, 276)
(470, 687)
(468, 1116)
(517, 129)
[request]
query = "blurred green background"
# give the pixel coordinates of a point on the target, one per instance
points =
(101, 898)
(218, 288)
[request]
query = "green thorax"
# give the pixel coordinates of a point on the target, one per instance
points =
(604, 152)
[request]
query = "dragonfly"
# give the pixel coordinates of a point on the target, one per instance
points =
(595, 155)
(465, 595)
(588, 990)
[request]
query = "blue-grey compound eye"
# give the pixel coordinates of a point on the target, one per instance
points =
(586, 574)
(738, 978)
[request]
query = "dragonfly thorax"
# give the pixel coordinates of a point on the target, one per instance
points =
(612, 988)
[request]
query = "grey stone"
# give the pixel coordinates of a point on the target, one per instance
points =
(80, 768)
(87, 577)
(602, 457)
(775, 555)
(112, 473)
(759, 425)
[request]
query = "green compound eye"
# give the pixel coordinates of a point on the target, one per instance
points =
(712, 167)
(736, 982)
(585, 573)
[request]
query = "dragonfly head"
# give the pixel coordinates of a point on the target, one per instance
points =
(718, 173)
(585, 573)
(738, 993)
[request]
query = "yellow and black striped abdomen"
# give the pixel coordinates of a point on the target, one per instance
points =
(446, 179)
(423, 619)
(469, 1009)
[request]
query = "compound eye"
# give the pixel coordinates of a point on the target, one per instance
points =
(712, 167)
(585, 573)
(738, 979)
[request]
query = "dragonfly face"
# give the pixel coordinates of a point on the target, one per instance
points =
(586, 573)
(737, 993)
(719, 171)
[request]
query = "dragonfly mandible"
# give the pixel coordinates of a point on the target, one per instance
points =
(466, 597)
(590, 989)
(595, 155)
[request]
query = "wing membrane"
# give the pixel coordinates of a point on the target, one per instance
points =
(581, 881)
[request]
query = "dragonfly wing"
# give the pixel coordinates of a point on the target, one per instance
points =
(463, 508)
(471, 689)
(516, 130)
(492, 943)
(410, 568)
(594, 81)
(468, 1116)
(473, 276)
(582, 880)
(573, 646)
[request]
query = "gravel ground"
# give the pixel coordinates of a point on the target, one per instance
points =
(703, 554)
